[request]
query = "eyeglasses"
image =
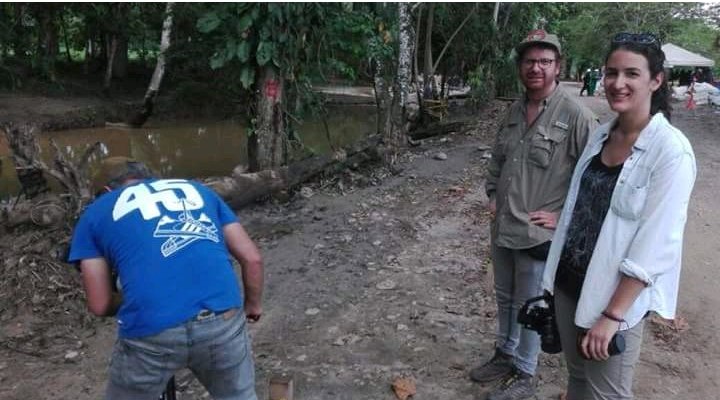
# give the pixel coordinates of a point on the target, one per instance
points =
(541, 62)
(637, 38)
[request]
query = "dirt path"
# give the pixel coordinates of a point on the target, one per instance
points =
(373, 276)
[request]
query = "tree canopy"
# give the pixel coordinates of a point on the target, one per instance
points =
(322, 41)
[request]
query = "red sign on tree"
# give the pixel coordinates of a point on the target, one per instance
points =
(271, 88)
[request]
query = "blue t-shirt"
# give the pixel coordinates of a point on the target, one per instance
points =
(165, 239)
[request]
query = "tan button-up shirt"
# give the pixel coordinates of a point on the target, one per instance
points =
(531, 166)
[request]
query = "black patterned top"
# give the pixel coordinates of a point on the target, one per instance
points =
(593, 202)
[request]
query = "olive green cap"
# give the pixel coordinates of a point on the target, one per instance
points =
(538, 36)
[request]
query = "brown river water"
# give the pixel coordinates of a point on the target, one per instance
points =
(191, 149)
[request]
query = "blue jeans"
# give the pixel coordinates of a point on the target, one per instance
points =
(518, 277)
(215, 349)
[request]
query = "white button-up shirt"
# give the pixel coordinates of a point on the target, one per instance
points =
(642, 234)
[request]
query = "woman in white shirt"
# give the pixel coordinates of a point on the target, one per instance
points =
(616, 253)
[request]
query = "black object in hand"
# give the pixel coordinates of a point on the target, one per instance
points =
(615, 347)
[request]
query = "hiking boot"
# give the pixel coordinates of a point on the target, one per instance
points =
(517, 386)
(500, 366)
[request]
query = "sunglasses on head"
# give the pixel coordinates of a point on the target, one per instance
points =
(637, 38)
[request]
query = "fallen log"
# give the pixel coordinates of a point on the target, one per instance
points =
(436, 129)
(46, 210)
(242, 188)
(357, 153)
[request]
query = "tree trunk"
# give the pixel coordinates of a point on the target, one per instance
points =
(88, 55)
(49, 46)
(267, 142)
(405, 55)
(496, 11)
(443, 84)
(25, 150)
(66, 39)
(428, 72)
(119, 28)
(120, 64)
(416, 72)
(111, 43)
(381, 95)
(149, 101)
(508, 11)
(400, 115)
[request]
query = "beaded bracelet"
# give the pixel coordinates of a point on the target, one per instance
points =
(612, 317)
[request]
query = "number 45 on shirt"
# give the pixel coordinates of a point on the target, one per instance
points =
(140, 197)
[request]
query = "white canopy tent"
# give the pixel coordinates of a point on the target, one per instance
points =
(676, 56)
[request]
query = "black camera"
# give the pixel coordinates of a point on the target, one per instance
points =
(542, 320)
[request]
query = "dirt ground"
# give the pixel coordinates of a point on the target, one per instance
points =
(372, 276)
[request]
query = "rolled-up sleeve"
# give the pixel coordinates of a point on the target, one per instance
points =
(657, 244)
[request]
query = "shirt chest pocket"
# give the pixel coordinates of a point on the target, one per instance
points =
(543, 145)
(631, 193)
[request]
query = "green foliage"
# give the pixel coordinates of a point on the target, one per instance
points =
(586, 29)
(252, 35)
(8, 80)
(353, 38)
(222, 45)
(697, 36)
(471, 40)
(197, 99)
(481, 85)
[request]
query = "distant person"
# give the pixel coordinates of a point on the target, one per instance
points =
(690, 103)
(586, 81)
(592, 82)
(598, 81)
(698, 76)
(617, 251)
(179, 303)
(538, 143)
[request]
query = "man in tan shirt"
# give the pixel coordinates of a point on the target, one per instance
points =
(539, 142)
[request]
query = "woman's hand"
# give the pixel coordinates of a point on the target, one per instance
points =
(594, 345)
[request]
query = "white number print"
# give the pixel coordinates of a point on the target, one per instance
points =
(165, 192)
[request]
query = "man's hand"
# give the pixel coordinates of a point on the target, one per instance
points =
(492, 207)
(253, 312)
(546, 219)
(97, 280)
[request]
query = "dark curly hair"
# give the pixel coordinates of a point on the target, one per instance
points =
(660, 101)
